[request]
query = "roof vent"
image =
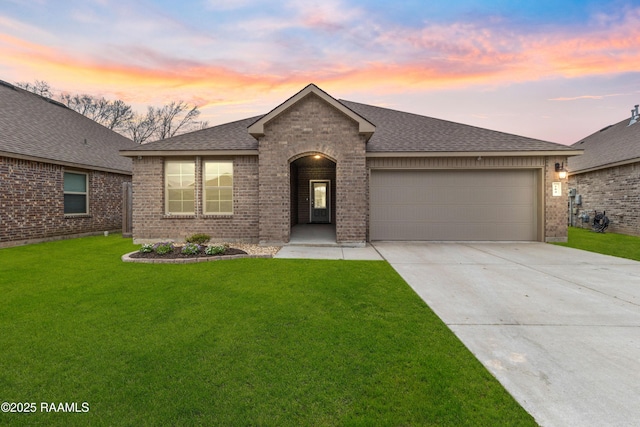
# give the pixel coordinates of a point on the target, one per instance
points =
(635, 116)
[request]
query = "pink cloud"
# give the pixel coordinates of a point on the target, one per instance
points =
(396, 59)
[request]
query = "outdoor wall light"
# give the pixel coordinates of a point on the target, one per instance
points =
(317, 156)
(562, 174)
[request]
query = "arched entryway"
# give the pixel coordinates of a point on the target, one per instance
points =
(313, 197)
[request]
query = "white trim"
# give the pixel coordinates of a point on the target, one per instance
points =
(204, 188)
(166, 188)
(312, 199)
(84, 193)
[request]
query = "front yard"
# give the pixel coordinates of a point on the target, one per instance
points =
(620, 245)
(239, 342)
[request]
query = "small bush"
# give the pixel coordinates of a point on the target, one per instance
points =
(163, 248)
(191, 249)
(146, 248)
(198, 239)
(215, 250)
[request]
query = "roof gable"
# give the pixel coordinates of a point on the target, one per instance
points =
(615, 144)
(365, 127)
(397, 133)
(37, 128)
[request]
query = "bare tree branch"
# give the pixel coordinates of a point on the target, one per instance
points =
(38, 87)
(157, 123)
(141, 127)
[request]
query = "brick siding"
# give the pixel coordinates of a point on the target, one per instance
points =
(615, 190)
(555, 207)
(32, 202)
(150, 223)
(312, 126)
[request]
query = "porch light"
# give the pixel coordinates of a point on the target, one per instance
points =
(562, 173)
(317, 156)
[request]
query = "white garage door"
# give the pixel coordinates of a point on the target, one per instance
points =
(457, 205)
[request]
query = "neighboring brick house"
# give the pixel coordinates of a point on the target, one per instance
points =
(607, 177)
(61, 174)
(374, 173)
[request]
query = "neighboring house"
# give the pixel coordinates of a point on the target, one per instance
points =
(374, 173)
(607, 177)
(61, 174)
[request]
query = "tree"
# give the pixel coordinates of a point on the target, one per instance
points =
(141, 127)
(157, 123)
(39, 87)
(114, 115)
(174, 117)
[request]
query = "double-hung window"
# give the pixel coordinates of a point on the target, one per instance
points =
(76, 200)
(180, 187)
(218, 187)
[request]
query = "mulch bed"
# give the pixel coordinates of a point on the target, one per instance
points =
(177, 254)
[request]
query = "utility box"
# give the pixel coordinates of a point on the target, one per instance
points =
(572, 192)
(578, 199)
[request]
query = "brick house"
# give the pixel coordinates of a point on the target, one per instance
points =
(373, 173)
(607, 177)
(61, 174)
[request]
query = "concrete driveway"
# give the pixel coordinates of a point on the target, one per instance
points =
(558, 327)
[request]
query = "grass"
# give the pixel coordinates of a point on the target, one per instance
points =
(619, 245)
(255, 342)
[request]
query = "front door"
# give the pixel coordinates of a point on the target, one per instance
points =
(320, 209)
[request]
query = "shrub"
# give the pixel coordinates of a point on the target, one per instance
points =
(191, 249)
(163, 248)
(198, 239)
(215, 250)
(146, 248)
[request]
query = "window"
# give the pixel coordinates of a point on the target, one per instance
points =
(180, 187)
(218, 188)
(75, 193)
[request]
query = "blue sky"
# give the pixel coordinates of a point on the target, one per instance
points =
(554, 70)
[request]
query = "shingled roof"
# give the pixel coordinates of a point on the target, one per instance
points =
(396, 132)
(36, 128)
(613, 145)
(232, 136)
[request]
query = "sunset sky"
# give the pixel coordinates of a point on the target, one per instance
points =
(557, 70)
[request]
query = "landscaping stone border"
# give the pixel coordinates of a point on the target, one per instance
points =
(127, 258)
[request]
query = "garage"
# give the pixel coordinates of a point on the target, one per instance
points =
(454, 205)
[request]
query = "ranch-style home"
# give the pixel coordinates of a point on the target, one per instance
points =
(61, 173)
(372, 173)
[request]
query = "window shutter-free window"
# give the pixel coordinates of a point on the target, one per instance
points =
(75, 193)
(218, 187)
(180, 185)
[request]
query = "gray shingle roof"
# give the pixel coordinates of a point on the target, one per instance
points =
(395, 132)
(613, 144)
(229, 136)
(33, 126)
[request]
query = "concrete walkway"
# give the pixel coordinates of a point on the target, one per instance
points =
(328, 252)
(558, 327)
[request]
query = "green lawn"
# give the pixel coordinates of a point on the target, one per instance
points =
(619, 245)
(252, 342)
